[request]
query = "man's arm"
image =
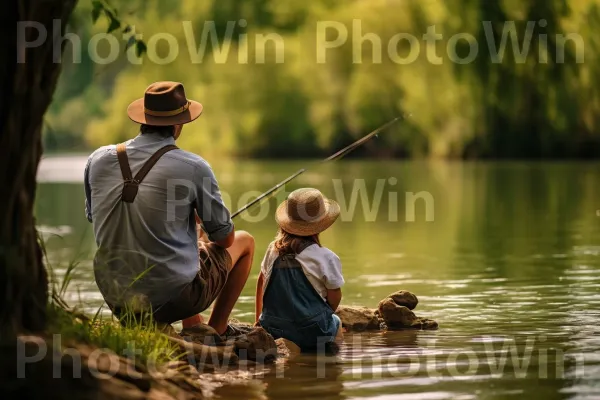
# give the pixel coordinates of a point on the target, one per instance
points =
(225, 243)
(214, 216)
(228, 241)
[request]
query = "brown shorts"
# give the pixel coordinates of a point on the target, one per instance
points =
(215, 264)
(198, 295)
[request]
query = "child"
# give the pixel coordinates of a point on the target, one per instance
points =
(298, 288)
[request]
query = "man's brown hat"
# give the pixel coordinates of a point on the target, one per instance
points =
(164, 104)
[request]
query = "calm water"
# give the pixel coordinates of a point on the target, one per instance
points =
(509, 267)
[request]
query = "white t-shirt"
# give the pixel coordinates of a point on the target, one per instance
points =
(321, 266)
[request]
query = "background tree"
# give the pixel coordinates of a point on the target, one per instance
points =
(520, 107)
(28, 78)
(25, 93)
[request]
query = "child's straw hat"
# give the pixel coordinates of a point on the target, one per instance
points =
(306, 212)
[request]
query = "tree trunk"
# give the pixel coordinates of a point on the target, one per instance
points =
(26, 90)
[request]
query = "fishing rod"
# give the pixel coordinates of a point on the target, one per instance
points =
(333, 157)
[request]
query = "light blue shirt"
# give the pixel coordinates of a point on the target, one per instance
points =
(148, 249)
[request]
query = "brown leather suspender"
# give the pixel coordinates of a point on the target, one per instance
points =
(131, 184)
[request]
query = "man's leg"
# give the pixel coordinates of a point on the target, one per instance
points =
(192, 321)
(242, 254)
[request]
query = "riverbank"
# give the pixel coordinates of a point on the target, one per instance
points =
(97, 358)
(81, 357)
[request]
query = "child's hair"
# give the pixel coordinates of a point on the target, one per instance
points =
(287, 243)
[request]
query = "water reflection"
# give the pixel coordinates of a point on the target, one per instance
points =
(512, 258)
(306, 376)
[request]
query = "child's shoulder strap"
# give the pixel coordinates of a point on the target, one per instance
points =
(305, 244)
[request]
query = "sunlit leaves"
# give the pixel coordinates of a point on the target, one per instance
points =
(472, 110)
(111, 14)
(140, 48)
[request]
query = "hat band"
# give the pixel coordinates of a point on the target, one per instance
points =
(170, 113)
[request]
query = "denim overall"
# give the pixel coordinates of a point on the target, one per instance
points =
(292, 308)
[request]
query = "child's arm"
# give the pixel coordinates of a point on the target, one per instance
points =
(259, 295)
(333, 278)
(334, 298)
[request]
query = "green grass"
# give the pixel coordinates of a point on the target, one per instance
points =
(151, 345)
(127, 337)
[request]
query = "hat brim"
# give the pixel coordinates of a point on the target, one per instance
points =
(135, 111)
(307, 228)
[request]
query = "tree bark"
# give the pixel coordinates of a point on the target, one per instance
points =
(28, 78)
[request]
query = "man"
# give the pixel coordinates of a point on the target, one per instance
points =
(149, 256)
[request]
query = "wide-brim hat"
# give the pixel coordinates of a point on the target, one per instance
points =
(164, 104)
(306, 212)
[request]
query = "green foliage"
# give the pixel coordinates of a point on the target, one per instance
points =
(102, 7)
(121, 337)
(515, 108)
(145, 342)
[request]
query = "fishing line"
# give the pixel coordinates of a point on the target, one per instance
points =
(336, 156)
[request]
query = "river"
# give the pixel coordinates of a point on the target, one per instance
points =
(505, 256)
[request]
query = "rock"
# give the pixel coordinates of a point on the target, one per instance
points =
(395, 312)
(209, 355)
(396, 316)
(425, 324)
(287, 348)
(257, 346)
(358, 318)
(241, 326)
(405, 298)
(167, 329)
(201, 334)
(173, 369)
(253, 344)
(400, 317)
(106, 361)
(118, 389)
(88, 372)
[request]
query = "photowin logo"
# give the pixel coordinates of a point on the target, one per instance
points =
(357, 199)
(202, 43)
